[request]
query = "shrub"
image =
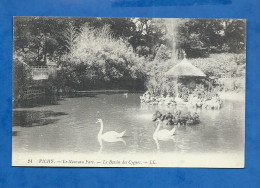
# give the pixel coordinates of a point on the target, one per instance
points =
(220, 64)
(183, 92)
(162, 86)
(232, 84)
(201, 92)
(21, 79)
(101, 60)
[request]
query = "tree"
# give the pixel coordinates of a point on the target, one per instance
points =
(38, 38)
(199, 37)
(148, 37)
(234, 35)
(70, 34)
(163, 54)
(97, 57)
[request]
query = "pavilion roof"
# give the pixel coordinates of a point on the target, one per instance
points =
(184, 68)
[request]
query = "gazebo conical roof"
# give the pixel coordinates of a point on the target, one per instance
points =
(184, 69)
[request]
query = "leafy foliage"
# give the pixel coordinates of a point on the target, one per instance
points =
(232, 84)
(98, 57)
(199, 37)
(183, 92)
(21, 79)
(162, 55)
(70, 35)
(128, 52)
(220, 64)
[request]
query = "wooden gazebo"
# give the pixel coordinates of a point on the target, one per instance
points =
(185, 73)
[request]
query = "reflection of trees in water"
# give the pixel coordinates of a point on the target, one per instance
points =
(30, 118)
(15, 133)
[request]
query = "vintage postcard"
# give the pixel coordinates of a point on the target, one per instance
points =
(128, 92)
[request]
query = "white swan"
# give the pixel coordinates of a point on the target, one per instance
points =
(163, 134)
(125, 94)
(110, 136)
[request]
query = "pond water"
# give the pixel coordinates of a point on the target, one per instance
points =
(71, 127)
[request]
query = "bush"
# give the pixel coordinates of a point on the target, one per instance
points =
(220, 64)
(201, 92)
(21, 79)
(158, 87)
(183, 92)
(232, 84)
(97, 59)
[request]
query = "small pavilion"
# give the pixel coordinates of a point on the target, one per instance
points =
(185, 73)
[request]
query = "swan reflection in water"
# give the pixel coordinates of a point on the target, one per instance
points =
(100, 140)
(163, 134)
(158, 144)
(110, 136)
